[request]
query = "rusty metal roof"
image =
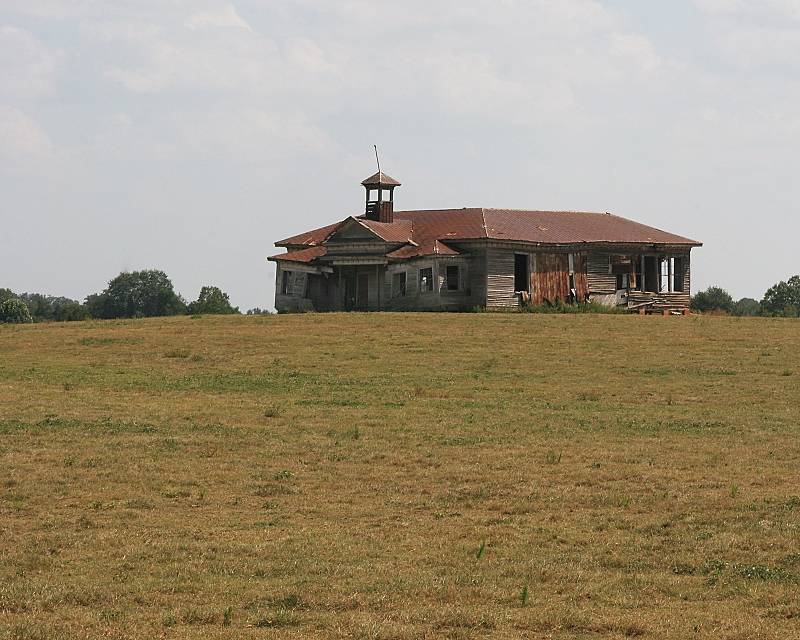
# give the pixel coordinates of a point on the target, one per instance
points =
(434, 248)
(397, 231)
(380, 179)
(301, 255)
(572, 227)
(310, 238)
(427, 232)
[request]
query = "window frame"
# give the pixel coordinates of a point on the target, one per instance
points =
(518, 257)
(422, 278)
(285, 284)
(401, 291)
(449, 279)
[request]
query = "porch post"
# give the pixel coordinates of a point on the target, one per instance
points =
(644, 277)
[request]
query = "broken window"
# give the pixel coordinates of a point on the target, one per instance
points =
(426, 279)
(522, 278)
(285, 283)
(622, 281)
(453, 274)
(399, 284)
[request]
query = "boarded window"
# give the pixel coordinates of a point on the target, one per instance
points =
(286, 283)
(426, 279)
(522, 278)
(453, 275)
(399, 285)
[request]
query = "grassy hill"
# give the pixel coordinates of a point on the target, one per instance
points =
(391, 476)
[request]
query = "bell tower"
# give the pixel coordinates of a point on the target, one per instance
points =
(380, 197)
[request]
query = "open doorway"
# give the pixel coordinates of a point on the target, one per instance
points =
(522, 274)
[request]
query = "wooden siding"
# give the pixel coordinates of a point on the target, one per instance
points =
(550, 277)
(440, 298)
(598, 274)
(500, 278)
(294, 299)
(478, 276)
(486, 279)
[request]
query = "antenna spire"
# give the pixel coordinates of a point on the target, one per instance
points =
(375, 146)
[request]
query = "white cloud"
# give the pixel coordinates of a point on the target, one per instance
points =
(577, 97)
(24, 140)
(27, 67)
(755, 33)
(222, 17)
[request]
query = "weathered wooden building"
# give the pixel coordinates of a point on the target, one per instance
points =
(457, 259)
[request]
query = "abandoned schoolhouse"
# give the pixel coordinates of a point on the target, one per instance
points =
(461, 259)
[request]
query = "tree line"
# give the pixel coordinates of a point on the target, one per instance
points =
(134, 294)
(149, 293)
(780, 300)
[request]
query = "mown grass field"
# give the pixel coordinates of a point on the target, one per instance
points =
(401, 476)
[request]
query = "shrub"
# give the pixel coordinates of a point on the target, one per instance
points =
(580, 307)
(746, 307)
(212, 300)
(14, 310)
(712, 299)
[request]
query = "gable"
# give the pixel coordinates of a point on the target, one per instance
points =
(351, 230)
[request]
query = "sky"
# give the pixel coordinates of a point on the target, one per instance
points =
(190, 135)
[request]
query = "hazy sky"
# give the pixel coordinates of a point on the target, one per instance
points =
(191, 135)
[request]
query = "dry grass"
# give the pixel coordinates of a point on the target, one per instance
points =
(400, 476)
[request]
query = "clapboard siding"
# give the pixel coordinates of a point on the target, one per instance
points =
(440, 298)
(294, 299)
(477, 276)
(486, 280)
(599, 278)
(500, 278)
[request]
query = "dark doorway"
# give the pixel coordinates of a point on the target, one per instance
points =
(362, 298)
(522, 278)
(349, 292)
(651, 274)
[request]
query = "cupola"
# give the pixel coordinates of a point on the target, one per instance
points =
(380, 197)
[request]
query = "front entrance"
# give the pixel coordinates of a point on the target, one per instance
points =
(362, 295)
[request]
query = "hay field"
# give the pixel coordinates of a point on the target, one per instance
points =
(401, 476)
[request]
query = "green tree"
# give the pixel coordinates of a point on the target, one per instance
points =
(137, 294)
(712, 299)
(69, 310)
(6, 294)
(212, 300)
(14, 310)
(746, 307)
(783, 299)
